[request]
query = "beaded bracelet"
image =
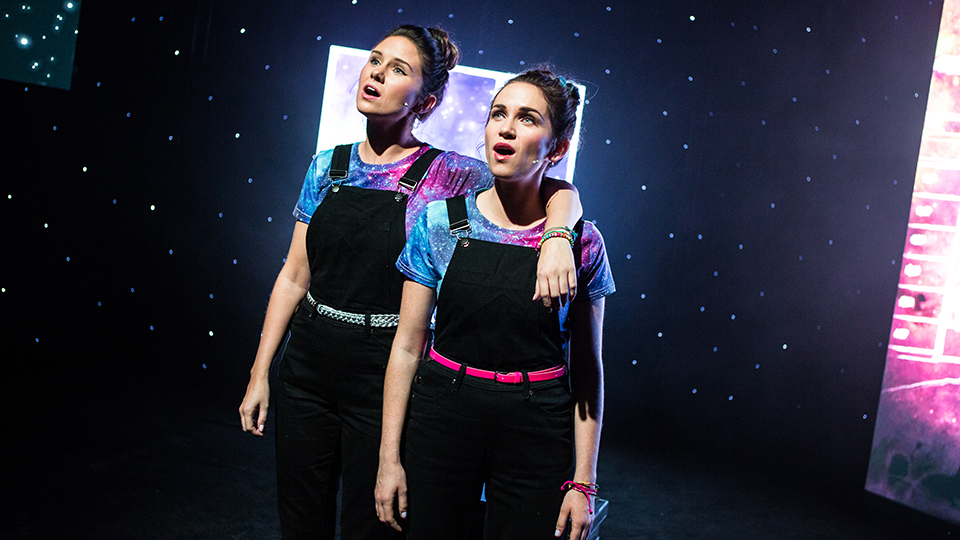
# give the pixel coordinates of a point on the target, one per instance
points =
(587, 488)
(558, 232)
(569, 232)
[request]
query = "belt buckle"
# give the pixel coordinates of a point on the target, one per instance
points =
(500, 376)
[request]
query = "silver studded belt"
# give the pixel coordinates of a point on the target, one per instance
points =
(377, 320)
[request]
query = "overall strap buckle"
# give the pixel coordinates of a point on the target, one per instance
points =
(459, 224)
(411, 179)
(339, 166)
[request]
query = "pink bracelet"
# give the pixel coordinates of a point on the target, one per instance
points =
(588, 489)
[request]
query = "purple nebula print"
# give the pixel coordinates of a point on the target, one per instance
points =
(916, 445)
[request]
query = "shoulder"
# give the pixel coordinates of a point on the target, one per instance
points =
(435, 214)
(317, 172)
(322, 160)
(452, 173)
(459, 163)
(595, 264)
(460, 160)
(591, 234)
(432, 218)
(325, 154)
(324, 157)
(592, 248)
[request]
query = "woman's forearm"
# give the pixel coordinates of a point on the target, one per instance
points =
(556, 272)
(586, 372)
(284, 299)
(416, 308)
(587, 424)
(396, 395)
(288, 291)
(562, 207)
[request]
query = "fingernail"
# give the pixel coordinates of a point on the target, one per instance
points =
(557, 533)
(403, 515)
(261, 428)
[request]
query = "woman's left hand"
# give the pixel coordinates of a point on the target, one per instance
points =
(556, 274)
(575, 509)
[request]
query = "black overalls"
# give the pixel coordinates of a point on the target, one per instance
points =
(465, 431)
(330, 398)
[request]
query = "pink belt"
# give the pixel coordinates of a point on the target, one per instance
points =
(499, 376)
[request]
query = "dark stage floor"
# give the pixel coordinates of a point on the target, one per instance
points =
(148, 466)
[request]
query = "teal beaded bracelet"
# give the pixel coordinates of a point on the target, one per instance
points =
(557, 232)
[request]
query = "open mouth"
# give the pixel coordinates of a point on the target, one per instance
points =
(370, 91)
(503, 150)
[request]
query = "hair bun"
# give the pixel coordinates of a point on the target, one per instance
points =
(448, 50)
(438, 55)
(573, 91)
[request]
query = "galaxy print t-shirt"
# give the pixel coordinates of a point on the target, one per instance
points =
(430, 246)
(450, 174)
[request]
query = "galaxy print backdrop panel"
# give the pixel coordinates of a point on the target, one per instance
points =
(457, 125)
(39, 40)
(916, 444)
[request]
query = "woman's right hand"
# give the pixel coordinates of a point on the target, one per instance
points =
(391, 486)
(256, 400)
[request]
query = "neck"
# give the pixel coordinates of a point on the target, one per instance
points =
(513, 205)
(388, 141)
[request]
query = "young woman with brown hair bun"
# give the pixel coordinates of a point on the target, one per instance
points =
(509, 392)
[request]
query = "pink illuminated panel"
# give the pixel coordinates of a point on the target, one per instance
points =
(916, 444)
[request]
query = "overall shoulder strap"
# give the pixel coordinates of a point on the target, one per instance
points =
(419, 168)
(457, 213)
(340, 164)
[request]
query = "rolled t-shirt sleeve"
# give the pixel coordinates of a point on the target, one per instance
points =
(416, 260)
(315, 185)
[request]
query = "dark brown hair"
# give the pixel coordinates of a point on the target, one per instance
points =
(562, 99)
(438, 55)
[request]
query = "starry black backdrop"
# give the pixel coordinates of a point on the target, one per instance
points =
(750, 165)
